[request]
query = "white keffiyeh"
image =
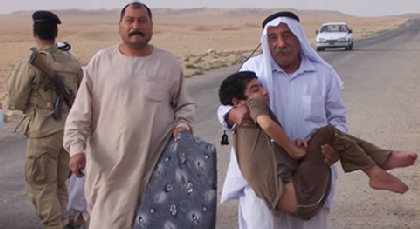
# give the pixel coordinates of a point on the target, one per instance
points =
(305, 49)
(65, 47)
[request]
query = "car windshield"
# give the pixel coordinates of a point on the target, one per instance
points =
(333, 28)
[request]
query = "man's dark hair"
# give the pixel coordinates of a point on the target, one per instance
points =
(136, 5)
(46, 30)
(45, 24)
(234, 86)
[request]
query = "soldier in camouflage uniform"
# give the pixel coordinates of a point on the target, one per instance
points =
(47, 163)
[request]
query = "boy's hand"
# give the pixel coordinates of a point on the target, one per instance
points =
(240, 116)
(298, 153)
(330, 154)
(301, 144)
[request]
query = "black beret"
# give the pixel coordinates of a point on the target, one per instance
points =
(280, 14)
(44, 16)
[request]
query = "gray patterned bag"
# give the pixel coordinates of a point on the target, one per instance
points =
(182, 192)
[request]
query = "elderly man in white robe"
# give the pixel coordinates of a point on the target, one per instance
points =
(132, 101)
(77, 212)
(305, 94)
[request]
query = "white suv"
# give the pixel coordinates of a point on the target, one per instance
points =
(334, 35)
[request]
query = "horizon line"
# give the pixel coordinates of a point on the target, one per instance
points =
(187, 8)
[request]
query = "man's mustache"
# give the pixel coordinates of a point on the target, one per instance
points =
(285, 50)
(136, 32)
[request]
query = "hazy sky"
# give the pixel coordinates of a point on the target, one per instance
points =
(353, 7)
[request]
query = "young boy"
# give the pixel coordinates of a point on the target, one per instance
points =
(293, 176)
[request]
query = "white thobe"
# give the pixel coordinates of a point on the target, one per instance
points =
(1, 121)
(76, 190)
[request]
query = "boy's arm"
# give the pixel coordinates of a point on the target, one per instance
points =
(260, 113)
(274, 130)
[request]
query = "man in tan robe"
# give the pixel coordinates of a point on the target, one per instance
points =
(133, 98)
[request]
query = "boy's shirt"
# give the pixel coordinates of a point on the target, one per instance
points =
(250, 142)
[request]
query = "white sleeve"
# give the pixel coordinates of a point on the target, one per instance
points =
(222, 111)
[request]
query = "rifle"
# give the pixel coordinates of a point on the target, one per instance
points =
(56, 83)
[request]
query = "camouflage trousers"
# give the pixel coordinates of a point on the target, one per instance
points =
(46, 172)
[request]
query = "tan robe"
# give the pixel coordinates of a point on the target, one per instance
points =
(124, 113)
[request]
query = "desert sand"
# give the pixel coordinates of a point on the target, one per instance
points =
(203, 39)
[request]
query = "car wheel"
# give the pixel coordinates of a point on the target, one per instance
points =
(350, 47)
(320, 49)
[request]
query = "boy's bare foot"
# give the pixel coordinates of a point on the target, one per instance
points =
(399, 159)
(382, 180)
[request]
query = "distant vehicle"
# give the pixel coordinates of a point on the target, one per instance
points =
(334, 35)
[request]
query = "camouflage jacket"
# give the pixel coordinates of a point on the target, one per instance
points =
(26, 93)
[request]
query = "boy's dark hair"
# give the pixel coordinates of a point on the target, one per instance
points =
(136, 5)
(234, 86)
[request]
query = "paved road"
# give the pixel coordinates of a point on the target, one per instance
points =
(381, 77)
